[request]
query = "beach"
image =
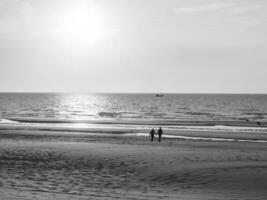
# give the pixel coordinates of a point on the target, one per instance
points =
(76, 165)
(86, 86)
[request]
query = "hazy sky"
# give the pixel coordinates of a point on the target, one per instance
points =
(211, 46)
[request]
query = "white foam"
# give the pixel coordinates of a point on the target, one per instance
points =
(201, 138)
(221, 128)
(7, 121)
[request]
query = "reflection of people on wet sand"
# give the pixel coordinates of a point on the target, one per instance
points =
(160, 133)
(152, 134)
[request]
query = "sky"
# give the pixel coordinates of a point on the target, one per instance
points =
(172, 46)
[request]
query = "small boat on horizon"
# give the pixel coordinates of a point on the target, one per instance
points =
(159, 95)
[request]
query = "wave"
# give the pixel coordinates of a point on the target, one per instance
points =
(167, 122)
(108, 114)
(7, 121)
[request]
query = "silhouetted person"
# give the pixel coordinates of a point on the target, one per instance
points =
(160, 133)
(152, 134)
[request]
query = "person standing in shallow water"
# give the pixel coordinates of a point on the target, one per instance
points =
(152, 134)
(160, 131)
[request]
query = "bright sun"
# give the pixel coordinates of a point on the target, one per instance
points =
(81, 23)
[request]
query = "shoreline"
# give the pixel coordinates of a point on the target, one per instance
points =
(173, 133)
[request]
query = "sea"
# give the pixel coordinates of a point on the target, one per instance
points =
(133, 113)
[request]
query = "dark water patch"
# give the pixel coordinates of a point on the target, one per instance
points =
(108, 114)
(198, 113)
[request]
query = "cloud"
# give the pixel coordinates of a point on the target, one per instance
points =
(8, 2)
(233, 8)
(200, 8)
(245, 9)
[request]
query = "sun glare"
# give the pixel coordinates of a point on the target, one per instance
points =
(81, 23)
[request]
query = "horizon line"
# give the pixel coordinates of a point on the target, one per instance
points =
(71, 92)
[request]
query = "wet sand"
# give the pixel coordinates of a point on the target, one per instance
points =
(58, 165)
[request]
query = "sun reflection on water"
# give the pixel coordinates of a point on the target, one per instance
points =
(81, 106)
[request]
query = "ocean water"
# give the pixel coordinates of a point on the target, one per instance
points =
(135, 106)
(134, 111)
